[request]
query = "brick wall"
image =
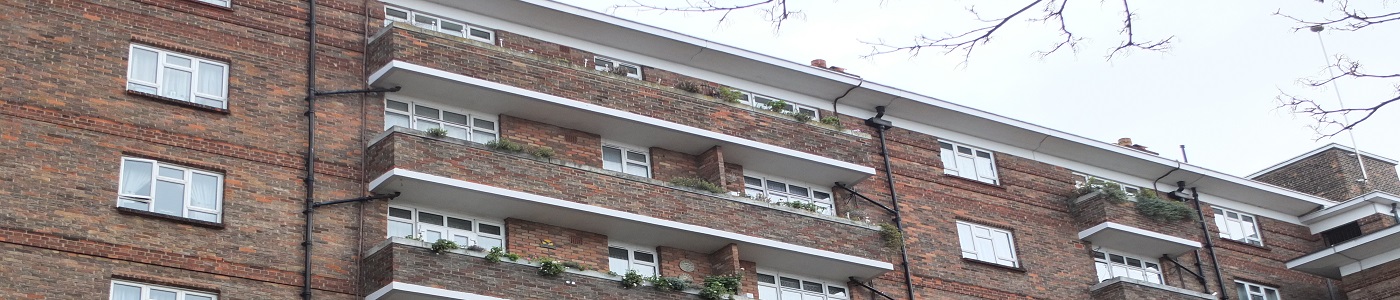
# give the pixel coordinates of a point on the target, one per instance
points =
(1128, 290)
(1376, 283)
(670, 260)
(1264, 265)
(458, 272)
(570, 145)
(667, 165)
(1334, 174)
(531, 240)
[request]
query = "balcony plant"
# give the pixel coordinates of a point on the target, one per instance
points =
(688, 86)
(777, 106)
(729, 95)
(833, 121)
(894, 239)
(1112, 191)
(550, 267)
(505, 145)
(1151, 206)
(632, 279)
(668, 284)
(475, 248)
(497, 254)
(799, 116)
(803, 206)
(541, 152)
(437, 132)
(442, 245)
(720, 287)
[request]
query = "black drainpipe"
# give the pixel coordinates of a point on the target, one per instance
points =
(880, 126)
(310, 179)
(1205, 233)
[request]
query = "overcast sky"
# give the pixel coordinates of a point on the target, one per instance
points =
(1214, 91)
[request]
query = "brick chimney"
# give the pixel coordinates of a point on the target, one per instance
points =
(820, 63)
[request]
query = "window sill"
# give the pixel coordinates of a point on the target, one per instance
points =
(168, 100)
(973, 181)
(228, 8)
(199, 223)
(999, 266)
(1265, 248)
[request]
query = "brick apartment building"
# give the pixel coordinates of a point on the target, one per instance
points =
(158, 149)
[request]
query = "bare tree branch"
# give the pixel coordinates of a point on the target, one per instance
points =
(1350, 20)
(1153, 45)
(1332, 121)
(776, 11)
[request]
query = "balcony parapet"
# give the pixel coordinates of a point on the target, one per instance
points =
(1130, 289)
(1117, 224)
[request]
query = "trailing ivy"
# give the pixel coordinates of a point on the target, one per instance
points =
(668, 284)
(697, 183)
(1149, 205)
(894, 239)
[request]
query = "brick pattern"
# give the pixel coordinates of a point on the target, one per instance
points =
(620, 192)
(568, 144)
(1376, 283)
(1334, 174)
(530, 239)
(1375, 223)
(710, 166)
(1101, 209)
(1125, 290)
(670, 260)
(503, 280)
(667, 165)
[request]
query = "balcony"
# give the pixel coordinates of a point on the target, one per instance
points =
(1115, 224)
(495, 80)
(434, 173)
(1128, 289)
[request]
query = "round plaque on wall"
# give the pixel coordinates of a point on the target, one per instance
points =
(687, 266)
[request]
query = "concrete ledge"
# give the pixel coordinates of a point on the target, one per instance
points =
(1137, 289)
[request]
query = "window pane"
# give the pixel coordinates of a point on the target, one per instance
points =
(455, 132)
(144, 65)
(484, 124)
(142, 88)
(800, 191)
(204, 191)
(836, 292)
(489, 242)
(1098, 255)
(400, 229)
(211, 79)
(964, 150)
(481, 33)
(618, 253)
(426, 112)
(1134, 262)
(203, 216)
(426, 21)
(455, 118)
(425, 125)
(163, 295)
(636, 156)
(400, 213)
(452, 28)
(820, 195)
(789, 282)
(459, 223)
(1117, 258)
(618, 265)
(395, 14)
(812, 286)
(777, 186)
(169, 172)
(432, 235)
(430, 218)
(132, 204)
(1102, 270)
(984, 154)
(178, 61)
(125, 292)
(637, 169)
(765, 278)
(767, 293)
(489, 229)
(136, 178)
(170, 198)
(753, 181)
(612, 159)
(395, 119)
(482, 136)
(177, 84)
(643, 256)
(396, 105)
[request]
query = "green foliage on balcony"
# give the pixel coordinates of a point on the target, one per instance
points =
(1149, 205)
(697, 183)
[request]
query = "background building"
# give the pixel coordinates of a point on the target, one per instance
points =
(161, 150)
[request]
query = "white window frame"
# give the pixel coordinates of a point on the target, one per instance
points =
(1081, 179)
(186, 179)
(438, 24)
(1003, 252)
(160, 84)
(1131, 266)
(418, 122)
(472, 236)
(752, 99)
(1241, 221)
(606, 64)
(626, 161)
(775, 290)
(969, 165)
(632, 262)
(1245, 291)
(224, 3)
(766, 189)
(180, 294)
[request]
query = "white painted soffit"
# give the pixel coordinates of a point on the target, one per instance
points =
(473, 199)
(1315, 152)
(820, 83)
(1136, 240)
(408, 291)
(612, 124)
(1362, 206)
(1352, 256)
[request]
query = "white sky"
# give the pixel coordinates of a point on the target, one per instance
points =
(1214, 91)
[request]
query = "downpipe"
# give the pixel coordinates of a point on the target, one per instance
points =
(880, 126)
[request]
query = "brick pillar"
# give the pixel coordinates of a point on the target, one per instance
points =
(710, 166)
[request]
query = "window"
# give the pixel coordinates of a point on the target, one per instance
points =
(1080, 180)
(123, 290)
(467, 126)
(1110, 265)
(622, 159)
(433, 226)
(1250, 291)
(223, 3)
(987, 244)
(616, 66)
(1343, 233)
(177, 76)
(623, 258)
(761, 101)
(163, 188)
(783, 190)
(454, 28)
(778, 286)
(968, 162)
(1237, 226)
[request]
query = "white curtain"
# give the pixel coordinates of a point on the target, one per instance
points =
(204, 191)
(136, 178)
(211, 79)
(144, 65)
(177, 84)
(126, 292)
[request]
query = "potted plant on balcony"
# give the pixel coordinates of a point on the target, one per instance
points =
(720, 287)
(1095, 188)
(437, 132)
(632, 279)
(550, 267)
(1151, 206)
(442, 245)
